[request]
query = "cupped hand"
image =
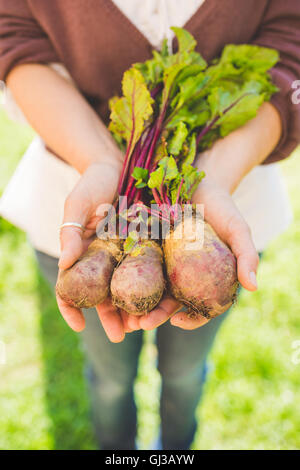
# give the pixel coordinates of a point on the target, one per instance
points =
(225, 164)
(98, 185)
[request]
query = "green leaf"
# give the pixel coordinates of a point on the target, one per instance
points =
(169, 77)
(186, 42)
(242, 112)
(169, 166)
(192, 117)
(156, 178)
(218, 100)
(197, 59)
(129, 113)
(174, 188)
(190, 71)
(176, 142)
(244, 56)
(187, 181)
(190, 157)
(140, 184)
(166, 172)
(189, 87)
(164, 48)
(131, 242)
(192, 177)
(112, 101)
(141, 175)
(161, 150)
(151, 70)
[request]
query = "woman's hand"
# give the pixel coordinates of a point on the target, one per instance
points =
(98, 185)
(225, 165)
(222, 214)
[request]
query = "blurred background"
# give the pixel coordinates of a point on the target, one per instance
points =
(251, 398)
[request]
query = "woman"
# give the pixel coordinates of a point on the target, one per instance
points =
(62, 61)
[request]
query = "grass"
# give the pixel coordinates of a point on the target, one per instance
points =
(251, 397)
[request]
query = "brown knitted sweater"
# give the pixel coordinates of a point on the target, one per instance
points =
(97, 43)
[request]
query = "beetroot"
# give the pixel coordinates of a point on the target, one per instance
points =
(201, 274)
(86, 283)
(138, 283)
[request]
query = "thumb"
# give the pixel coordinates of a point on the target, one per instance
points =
(241, 243)
(71, 246)
(71, 237)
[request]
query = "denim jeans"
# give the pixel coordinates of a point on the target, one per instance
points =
(112, 369)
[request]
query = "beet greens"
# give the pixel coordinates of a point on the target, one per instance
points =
(175, 105)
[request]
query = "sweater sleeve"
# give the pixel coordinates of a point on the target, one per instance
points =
(22, 40)
(280, 29)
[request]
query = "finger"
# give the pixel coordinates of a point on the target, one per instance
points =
(182, 320)
(240, 241)
(71, 246)
(71, 237)
(160, 314)
(86, 243)
(111, 321)
(134, 322)
(88, 234)
(125, 317)
(73, 316)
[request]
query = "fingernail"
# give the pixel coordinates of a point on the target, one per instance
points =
(252, 277)
(173, 321)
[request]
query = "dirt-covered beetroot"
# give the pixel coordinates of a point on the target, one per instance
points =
(201, 274)
(86, 283)
(138, 282)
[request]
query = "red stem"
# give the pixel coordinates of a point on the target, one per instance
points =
(125, 166)
(129, 150)
(151, 139)
(156, 197)
(177, 198)
(155, 213)
(130, 192)
(156, 90)
(134, 157)
(206, 129)
(179, 189)
(158, 130)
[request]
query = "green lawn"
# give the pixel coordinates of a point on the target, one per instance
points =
(251, 399)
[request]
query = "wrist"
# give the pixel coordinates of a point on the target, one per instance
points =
(232, 157)
(217, 171)
(105, 166)
(110, 158)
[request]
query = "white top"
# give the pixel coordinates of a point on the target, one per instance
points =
(154, 17)
(34, 198)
